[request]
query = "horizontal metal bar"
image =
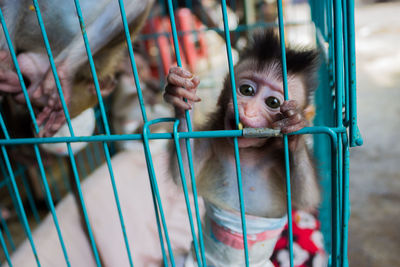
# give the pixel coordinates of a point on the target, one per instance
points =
(152, 136)
(260, 132)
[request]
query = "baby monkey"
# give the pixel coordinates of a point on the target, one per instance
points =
(261, 104)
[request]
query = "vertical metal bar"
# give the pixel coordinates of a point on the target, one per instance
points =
(355, 137)
(157, 215)
(24, 218)
(106, 128)
(132, 59)
(154, 187)
(346, 202)
(3, 245)
(144, 116)
(83, 205)
(29, 195)
(188, 146)
(7, 231)
(334, 204)
(235, 141)
(10, 189)
(68, 119)
(331, 41)
(346, 63)
(338, 27)
(285, 137)
(185, 191)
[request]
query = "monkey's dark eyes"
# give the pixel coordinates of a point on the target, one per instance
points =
(272, 102)
(247, 90)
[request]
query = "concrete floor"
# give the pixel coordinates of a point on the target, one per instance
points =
(374, 234)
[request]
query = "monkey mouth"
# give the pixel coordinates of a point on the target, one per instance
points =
(231, 124)
(243, 142)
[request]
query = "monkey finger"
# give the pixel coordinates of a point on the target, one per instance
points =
(295, 119)
(289, 107)
(9, 82)
(179, 81)
(180, 72)
(293, 128)
(177, 102)
(196, 81)
(4, 55)
(182, 93)
(278, 117)
(43, 115)
(9, 88)
(46, 130)
(59, 120)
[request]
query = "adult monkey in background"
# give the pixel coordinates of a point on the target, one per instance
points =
(261, 104)
(105, 33)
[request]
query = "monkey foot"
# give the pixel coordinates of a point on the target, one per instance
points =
(43, 92)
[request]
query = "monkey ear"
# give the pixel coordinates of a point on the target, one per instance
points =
(309, 113)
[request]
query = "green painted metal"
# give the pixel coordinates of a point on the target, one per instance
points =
(334, 22)
(185, 191)
(7, 232)
(201, 261)
(154, 186)
(285, 137)
(3, 245)
(235, 141)
(30, 197)
(106, 127)
(68, 119)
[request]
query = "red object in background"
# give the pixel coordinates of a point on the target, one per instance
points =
(308, 246)
(191, 48)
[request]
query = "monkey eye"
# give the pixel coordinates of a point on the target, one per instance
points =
(247, 90)
(272, 102)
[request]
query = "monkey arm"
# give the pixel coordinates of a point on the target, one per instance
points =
(201, 151)
(183, 84)
(305, 194)
(11, 11)
(109, 24)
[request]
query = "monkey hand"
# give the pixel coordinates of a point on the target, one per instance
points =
(289, 120)
(9, 82)
(181, 84)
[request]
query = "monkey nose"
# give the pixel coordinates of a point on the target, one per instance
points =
(250, 112)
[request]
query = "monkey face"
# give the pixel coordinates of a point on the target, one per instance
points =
(259, 98)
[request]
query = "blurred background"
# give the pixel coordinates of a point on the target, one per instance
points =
(374, 235)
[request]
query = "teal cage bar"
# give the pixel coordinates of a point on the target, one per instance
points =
(335, 131)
